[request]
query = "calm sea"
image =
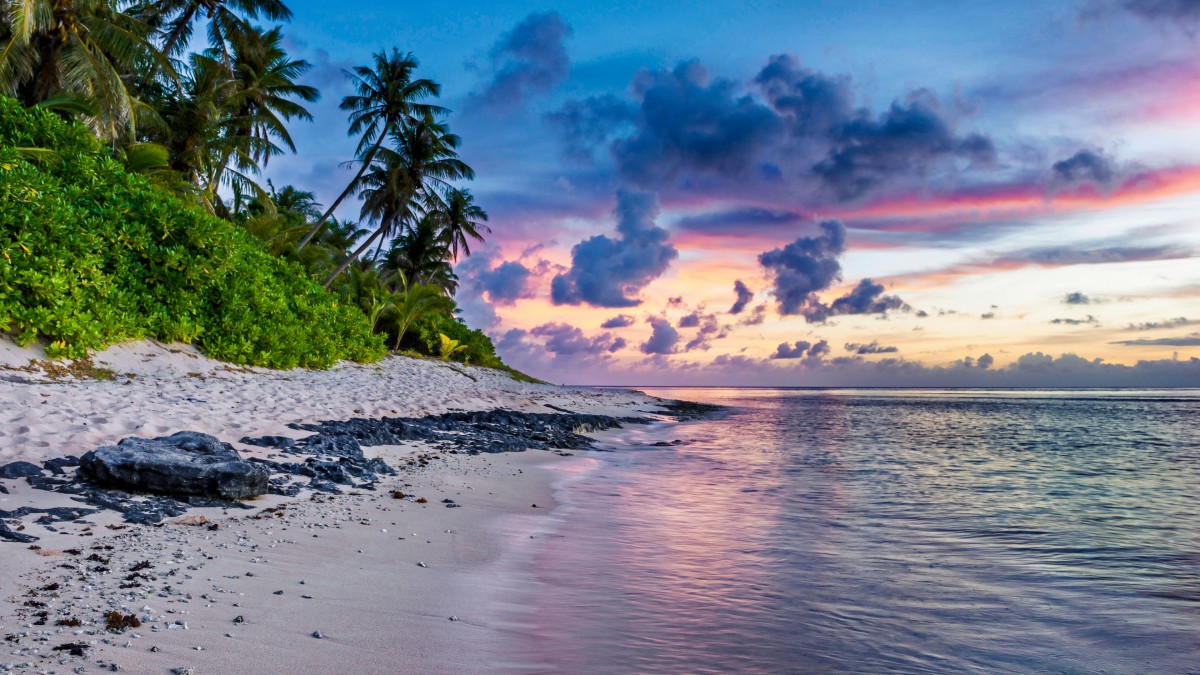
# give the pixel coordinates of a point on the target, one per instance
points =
(870, 531)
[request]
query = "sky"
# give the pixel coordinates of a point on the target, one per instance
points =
(808, 194)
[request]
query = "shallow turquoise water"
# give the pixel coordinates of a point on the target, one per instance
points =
(868, 531)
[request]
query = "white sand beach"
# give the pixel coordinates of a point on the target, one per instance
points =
(391, 581)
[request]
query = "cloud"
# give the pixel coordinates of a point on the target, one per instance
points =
(606, 272)
(1192, 340)
(866, 298)
(1177, 322)
(788, 126)
(801, 349)
(905, 141)
(744, 296)
(504, 281)
(1033, 369)
(619, 321)
(806, 266)
(757, 316)
(710, 329)
(585, 124)
(988, 315)
(872, 348)
(1077, 298)
(749, 220)
(1089, 321)
(530, 59)
(663, 338)
(565, 339)
(688, 121)
(1085, 166)
(809, 265)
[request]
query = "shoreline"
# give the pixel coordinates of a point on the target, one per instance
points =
(388, 583)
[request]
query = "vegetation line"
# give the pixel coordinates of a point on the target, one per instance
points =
(134, 204)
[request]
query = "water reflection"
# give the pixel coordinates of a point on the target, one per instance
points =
(862, 530)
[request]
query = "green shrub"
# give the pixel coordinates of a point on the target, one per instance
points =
(91, 255)
(478, 349)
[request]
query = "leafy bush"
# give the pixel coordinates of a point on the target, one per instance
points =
(91, 255)
(477, 346)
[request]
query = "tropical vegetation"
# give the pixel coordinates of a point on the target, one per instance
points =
(134, 135)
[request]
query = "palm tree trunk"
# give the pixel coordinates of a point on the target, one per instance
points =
(354, 256)
(345, 193)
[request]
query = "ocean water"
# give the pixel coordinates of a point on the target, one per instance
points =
(881, 531)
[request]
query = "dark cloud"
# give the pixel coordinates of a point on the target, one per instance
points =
(567, 340)
(529, 59)
(810, 265)
(606, 272)
(988, 315)
(806, 266)
(757, 316)
(905, 141)
(866, 298)
(1077, 298)
(744, 296)
(872, 347)
(810, 103)
(585, 124)
(801, 349)
(1192, 340)
(664, 339)
(710, 329)
(505, 282)
(619, 321)
(1177, 322)
(789, 125)
(921, 314)
(676, 301)
(1085, 166)
(749, 220)
(1088, 321)
(688, 121)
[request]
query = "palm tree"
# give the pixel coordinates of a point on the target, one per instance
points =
(175, 19)
(422, 255)
(80, 49)
(385, 98)
(262, 99)
(414, 302)
(194, 116)
(406, 181)
(462, 220)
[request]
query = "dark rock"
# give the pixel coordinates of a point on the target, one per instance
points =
(20, 470)
(183, 464)
(280, 442)
(8, 534)
(58, 465)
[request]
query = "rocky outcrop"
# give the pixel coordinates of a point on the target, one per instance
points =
(183, 464)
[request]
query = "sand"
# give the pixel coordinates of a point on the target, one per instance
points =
(391, 585)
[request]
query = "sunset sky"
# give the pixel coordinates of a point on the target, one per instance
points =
(840, 193)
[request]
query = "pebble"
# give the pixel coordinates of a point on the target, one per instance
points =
(421, 564)
(317, 634)
(454, 618)
(278, 592)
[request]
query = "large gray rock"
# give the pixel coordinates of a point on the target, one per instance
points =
(182, 464)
